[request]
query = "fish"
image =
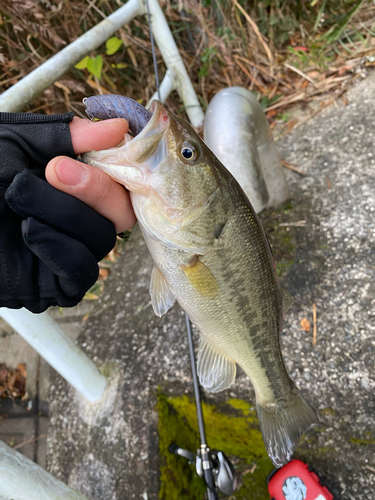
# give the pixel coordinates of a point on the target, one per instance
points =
(211, 255)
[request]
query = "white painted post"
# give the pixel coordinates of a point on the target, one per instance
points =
(59, 350)
(166, 87)
(173, 61)
(22, 479)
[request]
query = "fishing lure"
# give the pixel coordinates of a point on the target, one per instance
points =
(108, 106)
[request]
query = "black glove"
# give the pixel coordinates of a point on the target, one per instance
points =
(50, 242)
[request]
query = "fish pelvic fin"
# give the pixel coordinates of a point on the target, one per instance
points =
(283, 423)
(216, 372)
(162, 298)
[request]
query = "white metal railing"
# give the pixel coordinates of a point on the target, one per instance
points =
(59, 350)
(22, 479)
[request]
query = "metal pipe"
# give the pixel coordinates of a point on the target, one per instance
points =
(166, 87)
(23, 92)
(172, 59)
(237, 131)
(22, 479)
(59, 350)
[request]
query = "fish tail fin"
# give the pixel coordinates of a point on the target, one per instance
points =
(283, 423)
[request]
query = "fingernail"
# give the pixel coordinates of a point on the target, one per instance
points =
(70, 173)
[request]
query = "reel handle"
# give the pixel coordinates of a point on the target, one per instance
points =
(173, 448)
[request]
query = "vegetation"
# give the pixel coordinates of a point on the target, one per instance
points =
(231, 427)
(287, 51)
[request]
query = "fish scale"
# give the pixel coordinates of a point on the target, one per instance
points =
(224, 279)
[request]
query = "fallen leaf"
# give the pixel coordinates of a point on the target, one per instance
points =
(305, 323)
(315, 75)
(13, 383)
(271, 113)
(103, 273)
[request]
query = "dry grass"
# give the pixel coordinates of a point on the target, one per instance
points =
(287, 51)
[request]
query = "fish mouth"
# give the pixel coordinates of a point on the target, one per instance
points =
(158, 122)
(130, 162)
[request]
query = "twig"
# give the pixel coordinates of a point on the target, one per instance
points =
(244, 59)
(229, 83)
(28, 40)
(297, 223)
(256, 30)
(323, 106)
(31, 440)
(298, 124)
(301, 73)
(370, 468)
(76, 111)
(252, 470)
(314, 330)
(292, 167)
(299, 97)
(250, 76)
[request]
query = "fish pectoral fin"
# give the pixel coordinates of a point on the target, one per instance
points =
(162, 298)
(216, 372)
(201, 278)
(288, 299)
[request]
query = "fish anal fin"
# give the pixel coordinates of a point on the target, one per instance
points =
(288, 299)
(216, 372)
(200, 278)
(162, 297)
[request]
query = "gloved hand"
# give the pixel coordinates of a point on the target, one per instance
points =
(50, 242)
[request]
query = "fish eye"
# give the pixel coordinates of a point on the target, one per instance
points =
(188, 151)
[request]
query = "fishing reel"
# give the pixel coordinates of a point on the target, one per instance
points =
(214, 467)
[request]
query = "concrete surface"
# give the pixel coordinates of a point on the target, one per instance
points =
(109, 451)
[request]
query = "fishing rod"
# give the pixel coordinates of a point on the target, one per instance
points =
(214, 467)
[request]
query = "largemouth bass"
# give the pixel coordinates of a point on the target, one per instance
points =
(212, 256)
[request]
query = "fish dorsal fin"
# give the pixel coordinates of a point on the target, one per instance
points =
(288, 300)
(216, 372)
(162, 298)
(200, 277)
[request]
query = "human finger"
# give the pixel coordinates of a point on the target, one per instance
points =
(93, 187)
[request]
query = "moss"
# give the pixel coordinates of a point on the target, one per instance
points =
(368, 439)
(231, 427)
(328, 411)
(109, 369)
(280, 237)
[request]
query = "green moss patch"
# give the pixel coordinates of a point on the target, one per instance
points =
(365, 440)
(231, 427)
(280, 237)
